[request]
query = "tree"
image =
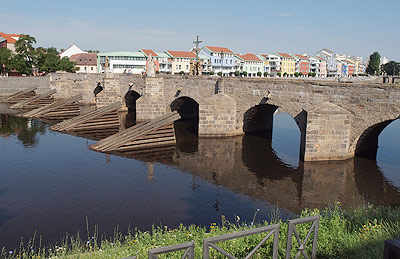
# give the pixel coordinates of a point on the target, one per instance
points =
(182, 73)
(219, 73)
(24, 47)
(244, 73)
(296, 74)
(237, 73)
(259, 73)
(374, 63)
(5, 60)
(265, 74)
(51, 61)
(279, 74)
(19, 63)
(211, 73)
(285, 74)
(391, 68)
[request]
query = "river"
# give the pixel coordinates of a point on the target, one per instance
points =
(51, 183)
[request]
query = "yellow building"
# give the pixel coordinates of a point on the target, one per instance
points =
(288, 64)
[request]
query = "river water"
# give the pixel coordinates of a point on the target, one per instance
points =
(50, 182)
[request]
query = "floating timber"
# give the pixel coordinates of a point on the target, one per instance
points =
(58, 110)
(97, 120)
(20, 96)
(157, 132)
(35, 101)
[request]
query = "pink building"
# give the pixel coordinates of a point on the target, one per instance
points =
(322, 67)
(339, 68)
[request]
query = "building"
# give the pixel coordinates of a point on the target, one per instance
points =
(180, 61)
(11, 40)
(267, 67)
(121, 62)
(221, 59)
(85, 62)
(288, 64)
(322, 72)
(275, 64)
(161, 60)
(251, 64)
(72, 50)
(302, 64)
(3, 43)
(331, 64)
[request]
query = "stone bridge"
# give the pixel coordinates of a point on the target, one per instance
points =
(337, 120)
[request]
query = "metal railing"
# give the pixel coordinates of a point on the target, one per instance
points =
(302, 244)
(189, 253)
(272, 229)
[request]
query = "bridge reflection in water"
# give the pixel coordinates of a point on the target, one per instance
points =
(249, 165)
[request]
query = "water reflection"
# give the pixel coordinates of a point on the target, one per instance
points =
(249, 165)
(26, 130)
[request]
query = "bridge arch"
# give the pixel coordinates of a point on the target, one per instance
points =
(366, 145)
(259, 120)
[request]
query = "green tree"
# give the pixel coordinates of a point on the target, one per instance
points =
(5, 60)
(211, 73)
(19, 63)
(244, 73)
(296, 74)
(39, 57)
(285, 74)
(265, 74)
(259, 73)
(24, 47)
(67, 65)
(51, 61)
(279, 74)
(374, 63)
(219, 73)
(391, 68)
(182, 73)
(237, 73)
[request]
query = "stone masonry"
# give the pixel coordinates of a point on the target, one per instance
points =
(336, 119)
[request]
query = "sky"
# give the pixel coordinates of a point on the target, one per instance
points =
(352, 27)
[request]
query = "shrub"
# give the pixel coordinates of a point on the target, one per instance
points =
(237, 73)
(219, 73)
(182, 73)
(296, 74)
(265, 74)
(279, 74)
(245, 73)
(211, 73)
(259, 73)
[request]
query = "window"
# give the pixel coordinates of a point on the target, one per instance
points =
(91, 68)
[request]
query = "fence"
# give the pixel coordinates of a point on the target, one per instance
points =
(271, 230)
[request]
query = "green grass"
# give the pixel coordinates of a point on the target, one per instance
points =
(351, 233)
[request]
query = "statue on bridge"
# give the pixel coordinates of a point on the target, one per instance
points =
(150, 67)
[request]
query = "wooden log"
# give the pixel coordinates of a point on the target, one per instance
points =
(17, 94)
(137, 133)
(50, 107)
(46, 94)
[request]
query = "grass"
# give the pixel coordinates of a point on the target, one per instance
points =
(350, 233)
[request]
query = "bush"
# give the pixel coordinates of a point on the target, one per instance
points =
(219, 73)
(265, 74)
(259, 73)
(237, 73)
(182, 73)
(285, 74)
(245, 73)
(157, 72)
(296, 74)
(211, 73)
(301, 74)
(279, 74)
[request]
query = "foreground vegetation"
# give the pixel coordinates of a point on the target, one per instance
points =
(351, 233)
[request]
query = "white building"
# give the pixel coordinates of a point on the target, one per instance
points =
(122, 62)
(72, 50)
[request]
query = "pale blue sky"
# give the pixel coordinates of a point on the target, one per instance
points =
(350, 27)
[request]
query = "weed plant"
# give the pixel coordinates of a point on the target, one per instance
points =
(350, 233)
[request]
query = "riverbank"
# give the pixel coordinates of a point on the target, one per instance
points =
(351, 233)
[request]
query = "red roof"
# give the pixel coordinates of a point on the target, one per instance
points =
(301, 56)
(9, 37)
(284, 55)
(264, 55)
(219, 49)
(181, 54)
(147, 52)
(79, 59)
(249, 57)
